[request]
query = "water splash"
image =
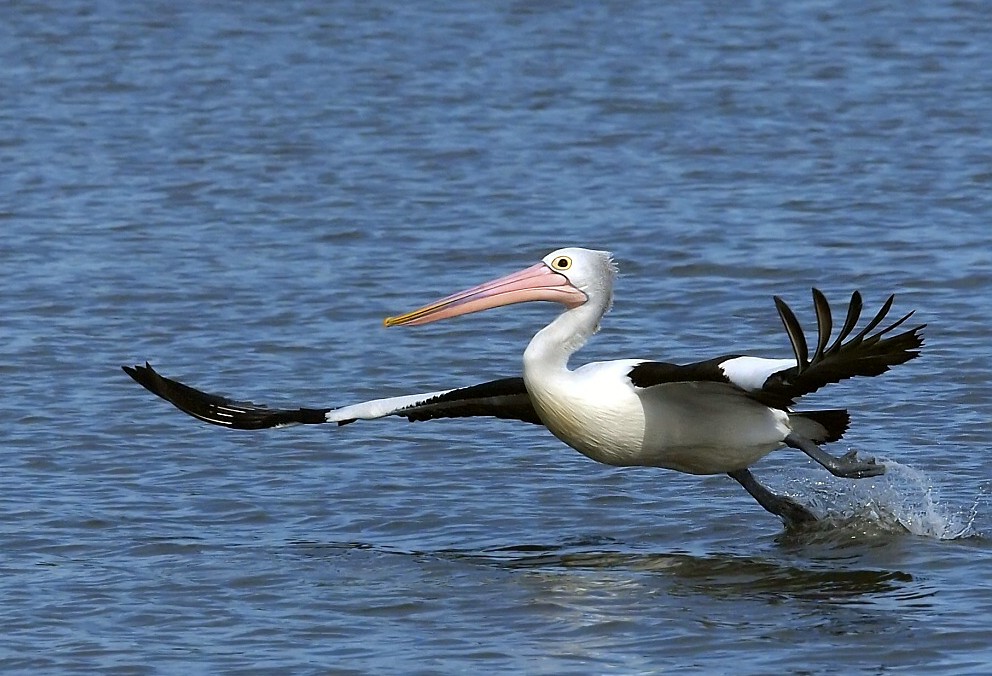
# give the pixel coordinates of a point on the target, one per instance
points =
(903, 500)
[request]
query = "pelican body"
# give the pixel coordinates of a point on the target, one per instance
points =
(715, 416)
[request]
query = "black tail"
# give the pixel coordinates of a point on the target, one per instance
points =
(865, 354)
(821, 426)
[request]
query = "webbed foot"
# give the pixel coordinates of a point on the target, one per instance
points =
(847, 466)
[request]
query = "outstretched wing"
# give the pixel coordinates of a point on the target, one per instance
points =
(780, 382)
(242, 415)
(504, 398)
(865, 354)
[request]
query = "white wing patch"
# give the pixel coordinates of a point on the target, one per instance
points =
(379, 408)
(750, 373)
(615, 369)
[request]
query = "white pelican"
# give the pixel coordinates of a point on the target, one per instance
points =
(709, 417)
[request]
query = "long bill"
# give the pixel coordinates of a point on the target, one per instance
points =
(538, 282)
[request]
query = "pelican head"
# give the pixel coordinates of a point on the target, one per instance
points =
(571, 276)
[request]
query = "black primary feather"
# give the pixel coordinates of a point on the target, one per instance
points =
(824, 323)
(853, 315)
(239, 415)
(795, 332)
(865, 354)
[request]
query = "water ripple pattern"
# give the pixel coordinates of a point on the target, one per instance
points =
(240, 192)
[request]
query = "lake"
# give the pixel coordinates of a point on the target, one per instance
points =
(239, 193)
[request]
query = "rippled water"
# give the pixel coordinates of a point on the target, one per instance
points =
(240, 193)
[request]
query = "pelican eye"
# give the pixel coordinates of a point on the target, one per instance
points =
(561, 263)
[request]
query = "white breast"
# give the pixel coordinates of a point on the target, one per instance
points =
(593, 409)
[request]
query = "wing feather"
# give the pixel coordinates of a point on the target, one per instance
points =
(824, 323)
(242, 415)
(505, 398)
(795, 332)
(865, 354)
(780, 382)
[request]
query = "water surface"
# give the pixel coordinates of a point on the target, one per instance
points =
(240, 194)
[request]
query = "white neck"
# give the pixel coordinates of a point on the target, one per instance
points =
(548, 352)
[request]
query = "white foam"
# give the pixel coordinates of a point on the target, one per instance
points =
(903, 500)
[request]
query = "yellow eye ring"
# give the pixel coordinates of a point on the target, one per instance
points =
(561, 263)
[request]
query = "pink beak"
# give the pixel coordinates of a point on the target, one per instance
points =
(538, 282)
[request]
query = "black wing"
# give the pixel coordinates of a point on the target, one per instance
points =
(865, 354)
(240, 415)
(505, 398)
(651, 373)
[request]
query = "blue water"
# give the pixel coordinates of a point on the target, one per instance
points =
(240, 193)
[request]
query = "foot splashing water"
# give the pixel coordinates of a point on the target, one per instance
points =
(903, 500)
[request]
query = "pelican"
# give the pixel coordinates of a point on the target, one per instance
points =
(717, 416)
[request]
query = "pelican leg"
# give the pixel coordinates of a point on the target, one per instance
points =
(847, 467)
(790, 511)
